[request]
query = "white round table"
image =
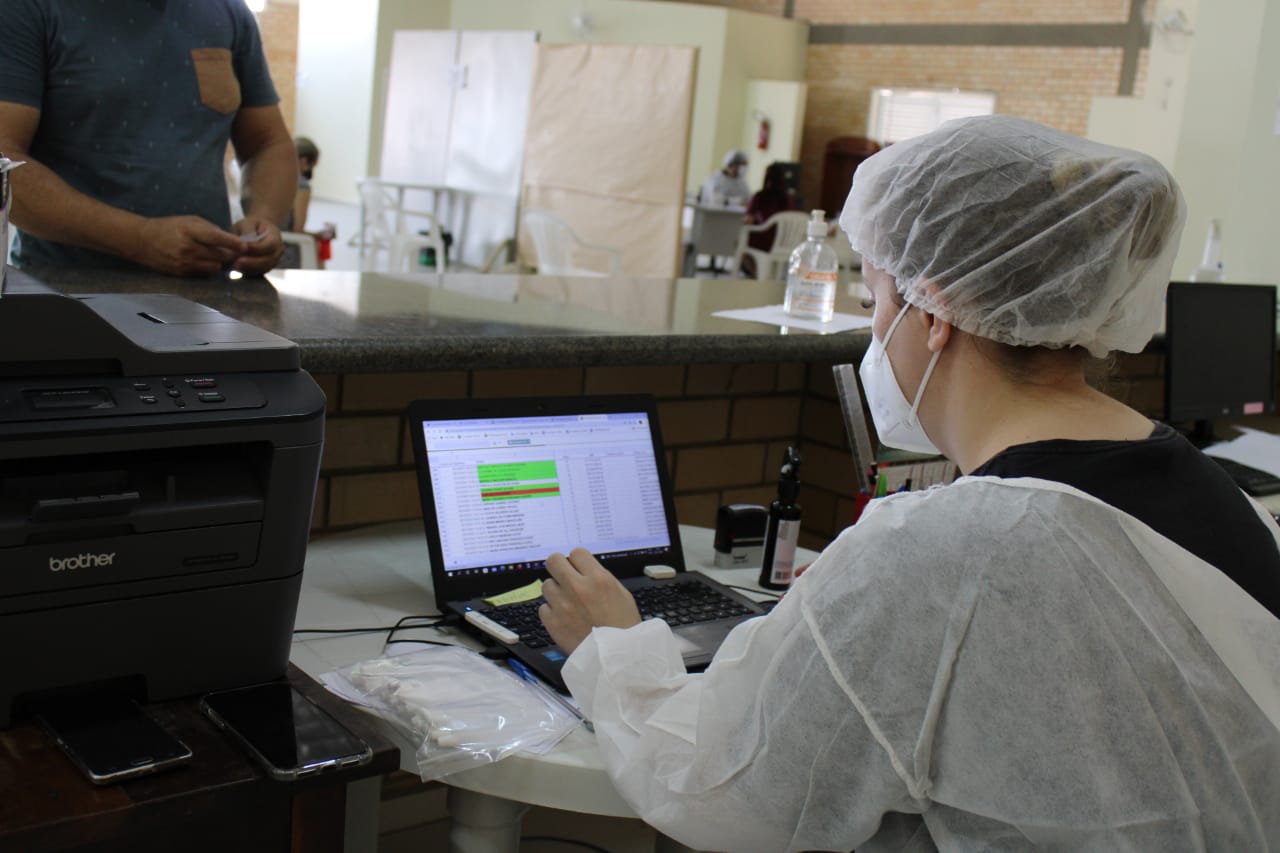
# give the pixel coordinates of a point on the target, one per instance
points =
(377, 575)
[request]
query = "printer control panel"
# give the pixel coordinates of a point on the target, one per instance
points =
(61, 398)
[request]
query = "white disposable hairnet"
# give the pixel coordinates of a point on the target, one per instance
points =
(734, 156)
(1022, 234)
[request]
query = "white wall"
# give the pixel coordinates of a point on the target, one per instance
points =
(629, 22)
(395, 15)
(1210, 166)
(761, 48)
(1209, 113)
(336, 41)
(1251, 246)
(782, 102)
(344, 51)
(1152, 123)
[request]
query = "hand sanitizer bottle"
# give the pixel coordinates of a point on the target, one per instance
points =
(812, 273)
(1210, 268)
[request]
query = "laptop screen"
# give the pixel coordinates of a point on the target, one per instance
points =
(507, 491)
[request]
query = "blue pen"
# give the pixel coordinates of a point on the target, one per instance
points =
(521, 670)
(526, 674)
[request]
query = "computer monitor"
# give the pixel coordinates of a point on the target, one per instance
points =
(1220, 354)
(790, 175)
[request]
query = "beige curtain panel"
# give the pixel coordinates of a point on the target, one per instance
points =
(607, 146)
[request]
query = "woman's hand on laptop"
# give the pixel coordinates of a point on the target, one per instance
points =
(581, 594)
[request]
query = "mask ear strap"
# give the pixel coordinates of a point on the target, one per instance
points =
(894, 325)
(924, 380)
(928, 371)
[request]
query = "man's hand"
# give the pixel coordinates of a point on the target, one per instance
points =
(264, 245)
(186, 245)
(582, 594)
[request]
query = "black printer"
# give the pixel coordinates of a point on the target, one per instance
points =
(158, 464)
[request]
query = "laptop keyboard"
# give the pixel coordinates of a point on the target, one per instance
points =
(679, 602)
(523, 619)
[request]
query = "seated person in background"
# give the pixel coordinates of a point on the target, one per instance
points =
(774, 197)
(308, 157)
(124, 122)
(727, 186)
(1072, 647)
(296, 220)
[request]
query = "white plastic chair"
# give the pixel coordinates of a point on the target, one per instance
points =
(772, 265)
(377, 206)
(406, 248)
(557, 246)
(308, 259)
(388, 225)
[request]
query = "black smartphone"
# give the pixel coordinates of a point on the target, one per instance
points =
(110, 737)
(287, 733)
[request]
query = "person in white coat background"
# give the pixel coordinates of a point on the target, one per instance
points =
(727, 186)
(1073, 646)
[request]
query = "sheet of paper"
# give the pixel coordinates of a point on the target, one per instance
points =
(1259, 450)
(774, 315)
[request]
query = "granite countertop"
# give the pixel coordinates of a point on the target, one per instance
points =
(351, 322)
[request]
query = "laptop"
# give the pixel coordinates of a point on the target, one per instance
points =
(507, 482)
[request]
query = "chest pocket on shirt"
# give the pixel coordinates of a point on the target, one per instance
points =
(216, 79)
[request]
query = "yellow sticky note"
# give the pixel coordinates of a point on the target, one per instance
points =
(528, 592)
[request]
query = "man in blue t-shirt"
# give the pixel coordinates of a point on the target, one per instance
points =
(123, 111)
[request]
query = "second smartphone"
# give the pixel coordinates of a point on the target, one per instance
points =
(288, 734)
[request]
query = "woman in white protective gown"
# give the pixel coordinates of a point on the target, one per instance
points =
(1074, 646)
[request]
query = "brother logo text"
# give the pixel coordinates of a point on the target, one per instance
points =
(81, 561)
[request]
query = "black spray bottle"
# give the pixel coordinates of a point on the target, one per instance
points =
(783, 532)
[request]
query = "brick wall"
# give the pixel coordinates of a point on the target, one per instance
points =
(959, 11)
(1051, 85)
(725, 427)
(765, 7)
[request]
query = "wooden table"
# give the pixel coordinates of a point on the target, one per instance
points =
(221, 801)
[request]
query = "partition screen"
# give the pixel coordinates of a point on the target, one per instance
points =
(607, 145)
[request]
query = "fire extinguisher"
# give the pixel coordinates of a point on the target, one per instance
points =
(762, 135)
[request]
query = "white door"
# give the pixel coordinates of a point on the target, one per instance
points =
(415, 138)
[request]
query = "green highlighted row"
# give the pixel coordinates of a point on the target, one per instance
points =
(508, 471)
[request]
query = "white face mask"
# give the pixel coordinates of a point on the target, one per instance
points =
(896, 420)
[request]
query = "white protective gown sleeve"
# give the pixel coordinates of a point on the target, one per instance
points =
(989, 665)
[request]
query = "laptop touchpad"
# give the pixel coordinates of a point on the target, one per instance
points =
(701, 640)
(687, 646)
